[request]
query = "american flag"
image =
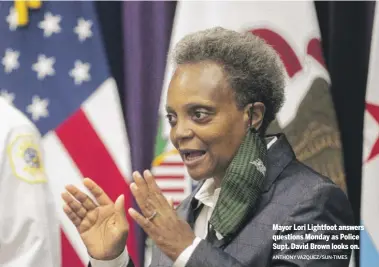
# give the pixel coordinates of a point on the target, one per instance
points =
(171, 176)
(55, 70)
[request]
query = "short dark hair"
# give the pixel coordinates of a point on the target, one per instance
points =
(253, 68)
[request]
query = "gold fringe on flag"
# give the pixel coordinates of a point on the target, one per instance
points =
(22, 10)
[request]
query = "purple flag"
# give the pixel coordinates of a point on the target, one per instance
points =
(147, 30)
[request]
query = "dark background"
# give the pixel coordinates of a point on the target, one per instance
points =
(346, 35)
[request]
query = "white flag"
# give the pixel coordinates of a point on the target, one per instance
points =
(370, 183)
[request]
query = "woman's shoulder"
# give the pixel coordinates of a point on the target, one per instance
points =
(299, 186)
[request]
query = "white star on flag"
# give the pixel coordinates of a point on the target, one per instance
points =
(38, 108)
(83, 29)
(12, 19)
(9, 97)
(50, 24)
(10, 60)
(44, 67)
(80, 72)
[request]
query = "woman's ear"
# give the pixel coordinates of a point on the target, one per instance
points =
(247, 115)
(253, 114)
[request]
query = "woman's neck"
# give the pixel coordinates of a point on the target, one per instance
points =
(217, 181)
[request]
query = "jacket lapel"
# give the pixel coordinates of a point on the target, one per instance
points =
(188, 209)
(279, 155)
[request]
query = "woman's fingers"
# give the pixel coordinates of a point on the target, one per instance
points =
(75, 206)
(142, 194)
(150, 181)
(142, 200)
(146, 224)
(154, 189)
(84, 199)
(101, 197)
(141, 183)
(72, 215)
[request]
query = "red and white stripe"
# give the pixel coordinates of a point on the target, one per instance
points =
(171, 177)
(91, 143)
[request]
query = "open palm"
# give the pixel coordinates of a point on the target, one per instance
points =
(103, 227)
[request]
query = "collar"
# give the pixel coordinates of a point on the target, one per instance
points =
(271, 141)
(208, 194)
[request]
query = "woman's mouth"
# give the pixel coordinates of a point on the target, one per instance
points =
(192, 157)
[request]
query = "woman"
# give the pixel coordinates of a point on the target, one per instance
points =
(226, 89)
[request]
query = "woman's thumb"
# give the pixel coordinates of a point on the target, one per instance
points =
(170, 201)
(120, 204)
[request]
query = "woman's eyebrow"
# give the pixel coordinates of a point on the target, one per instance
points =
(193, 105)
(169, 109)
(199, 105)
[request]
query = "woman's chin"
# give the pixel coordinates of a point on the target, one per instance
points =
(198, 175)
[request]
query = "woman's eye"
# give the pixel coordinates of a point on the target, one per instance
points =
(200, 115)
(171, 119)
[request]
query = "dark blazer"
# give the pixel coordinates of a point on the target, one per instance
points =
(293, 194)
